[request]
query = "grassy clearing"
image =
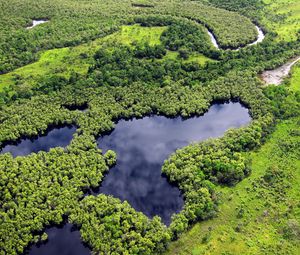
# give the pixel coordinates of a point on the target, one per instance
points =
(286, 28)
(64, 61)
(195, 57)
(136, 34)
(294, 83)
(255, 218)
(199, 58)
(252, 220)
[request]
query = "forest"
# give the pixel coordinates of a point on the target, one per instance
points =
(94, 63)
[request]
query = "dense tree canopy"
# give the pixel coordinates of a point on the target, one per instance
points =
(122, 82)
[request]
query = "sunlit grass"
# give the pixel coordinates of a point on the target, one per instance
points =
(65, 61)
(260, 228)
(230, 234)
(288, 28)
(195, 57)
(295, 78)
(77, 59)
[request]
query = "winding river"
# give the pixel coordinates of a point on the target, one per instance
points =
(277, 75)
(259, 39)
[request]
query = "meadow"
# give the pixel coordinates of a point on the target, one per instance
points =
(287, 18)
(65, 61)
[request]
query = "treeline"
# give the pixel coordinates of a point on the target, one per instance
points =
(125, 65)
(231, 29)
(28, 198)
(249, 8)
(112, 227)
(38, 190)
(181, 35)
(120, 65)
(72, 24)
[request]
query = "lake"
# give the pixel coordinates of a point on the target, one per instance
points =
(142, 145)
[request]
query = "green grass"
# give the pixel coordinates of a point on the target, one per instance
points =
(199, 58)
(195, 57)
(294, 83)
(286, 28)
(265, 215)
(77, 59)
(137, 34)
(58, 61)
(64, 61)
(266, 210)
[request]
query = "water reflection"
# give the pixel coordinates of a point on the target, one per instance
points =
(142, 145)
(56, 137)
(61, 241)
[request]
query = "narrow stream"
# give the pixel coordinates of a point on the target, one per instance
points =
(37, 22)
(259, 39)
(277, 75)
(213, 39)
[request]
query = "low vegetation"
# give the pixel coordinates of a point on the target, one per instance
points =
(125, 59)
(88, 20)
(260, 214)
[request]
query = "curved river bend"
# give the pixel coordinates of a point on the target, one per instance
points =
(142, 145)
(260, 38)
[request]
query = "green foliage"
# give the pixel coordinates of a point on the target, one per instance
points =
(245, 7)
(112, 227)
(82, 164)
(110, 158)
(292, 229)
(285, 103)
(39, 189)
(128, 74)
(73, 23)
(260, 215)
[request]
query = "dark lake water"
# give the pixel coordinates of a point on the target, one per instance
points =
(61, 241)
(142, 145)
(55, 137)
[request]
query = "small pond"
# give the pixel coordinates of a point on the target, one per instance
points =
(142, 145)
(63, 240)
(55, 137)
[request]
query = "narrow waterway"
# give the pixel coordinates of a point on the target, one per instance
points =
(260, 38)
(277, 75)
(36, 23)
